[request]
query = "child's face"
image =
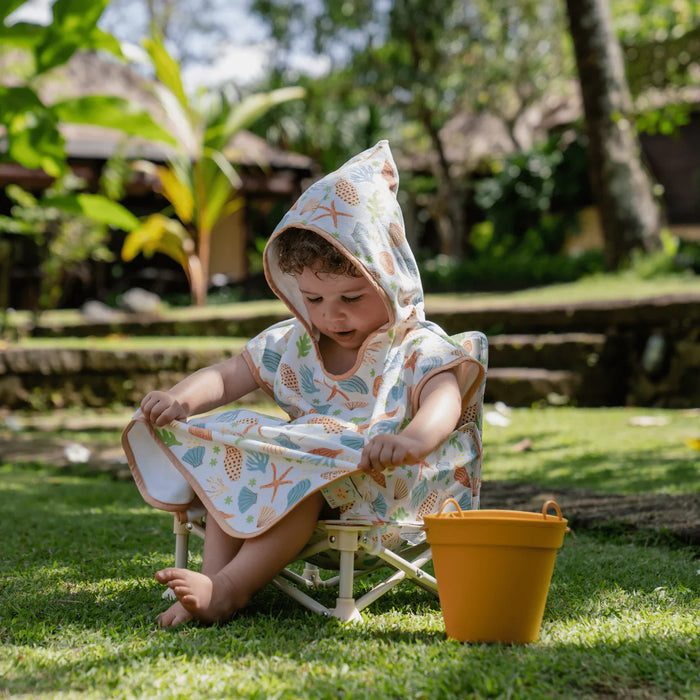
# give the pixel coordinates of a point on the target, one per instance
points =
(345, 309)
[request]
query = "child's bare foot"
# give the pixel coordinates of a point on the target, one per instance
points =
(199, 595)
(176, 614)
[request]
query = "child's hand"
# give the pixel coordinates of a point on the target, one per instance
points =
(160, 408)
(387, 451)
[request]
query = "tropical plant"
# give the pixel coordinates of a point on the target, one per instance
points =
(32, 137)
(199, 181)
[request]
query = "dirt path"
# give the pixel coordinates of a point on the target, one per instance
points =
(677, 515)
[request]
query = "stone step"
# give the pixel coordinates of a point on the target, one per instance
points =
(523, 386)
(42, 377)
(673, 312)
(554, 351)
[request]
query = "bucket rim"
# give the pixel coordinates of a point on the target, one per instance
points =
(499, 515)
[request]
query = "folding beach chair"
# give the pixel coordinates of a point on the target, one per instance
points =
(351, 549)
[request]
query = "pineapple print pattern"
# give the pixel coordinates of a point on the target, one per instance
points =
(288, 377)
(233, 463)
(347, 192)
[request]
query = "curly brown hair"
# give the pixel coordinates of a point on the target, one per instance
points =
(299, 248)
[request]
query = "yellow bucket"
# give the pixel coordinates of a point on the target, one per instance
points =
(493, 570)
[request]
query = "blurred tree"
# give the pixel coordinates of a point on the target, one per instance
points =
(33, 140)
(411, 65)
(407, 67)
(622, 188)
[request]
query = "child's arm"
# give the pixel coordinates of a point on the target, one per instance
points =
(440, 408)
(202, 391)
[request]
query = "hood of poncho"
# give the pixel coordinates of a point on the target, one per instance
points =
(355, 208)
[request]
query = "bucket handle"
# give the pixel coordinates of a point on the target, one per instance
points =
(556, 507)
(455, 513)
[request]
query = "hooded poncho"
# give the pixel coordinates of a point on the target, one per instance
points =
(249, 469)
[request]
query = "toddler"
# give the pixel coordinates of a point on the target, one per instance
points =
(373, 391)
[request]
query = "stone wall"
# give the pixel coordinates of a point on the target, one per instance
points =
(643, 353)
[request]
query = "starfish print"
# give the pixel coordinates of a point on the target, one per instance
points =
(411, 361)
(333, 213)
(276, 483)
(334, 390)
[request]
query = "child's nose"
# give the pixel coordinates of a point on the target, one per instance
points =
(334, 311)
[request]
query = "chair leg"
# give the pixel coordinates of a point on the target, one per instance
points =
(182, 544)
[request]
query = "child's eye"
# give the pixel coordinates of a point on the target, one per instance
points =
(314, 300)
(350, 300)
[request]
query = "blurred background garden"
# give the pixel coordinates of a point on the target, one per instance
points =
(149, 148)
(549, 155)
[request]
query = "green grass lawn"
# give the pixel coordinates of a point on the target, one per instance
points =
(599, 449)
(622, 618)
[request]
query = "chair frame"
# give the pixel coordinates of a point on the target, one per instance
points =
(345, 537)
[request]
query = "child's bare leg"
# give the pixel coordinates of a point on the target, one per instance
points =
(216, 596)
(219, 549)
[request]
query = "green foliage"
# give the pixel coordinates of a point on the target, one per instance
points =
(673, 257)
(530, 201)
(488, 272)
(33, 139)
(69, 228)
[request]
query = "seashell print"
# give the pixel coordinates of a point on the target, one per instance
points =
(376, 385)
(194, 456)
(356, 384)
(203, 433)
(379, 505)
(476, 486)
(352, 405)
(270, 360)
(387, 263)
(233, 462)
(246, 499)
(400, 489)
(325, 452)
(347, 192)
(465, 502)
(340, 493)
(297, 492)
(353, 442)
(389, 175)
(334, 474)
(266, 516)
(273, 449)
(328, 424)
(391, 539)
(396, 235)
(248, 422)
(462, 477)
(288, 377)
(310, 205)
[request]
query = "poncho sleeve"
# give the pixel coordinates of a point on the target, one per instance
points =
(264, 352)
